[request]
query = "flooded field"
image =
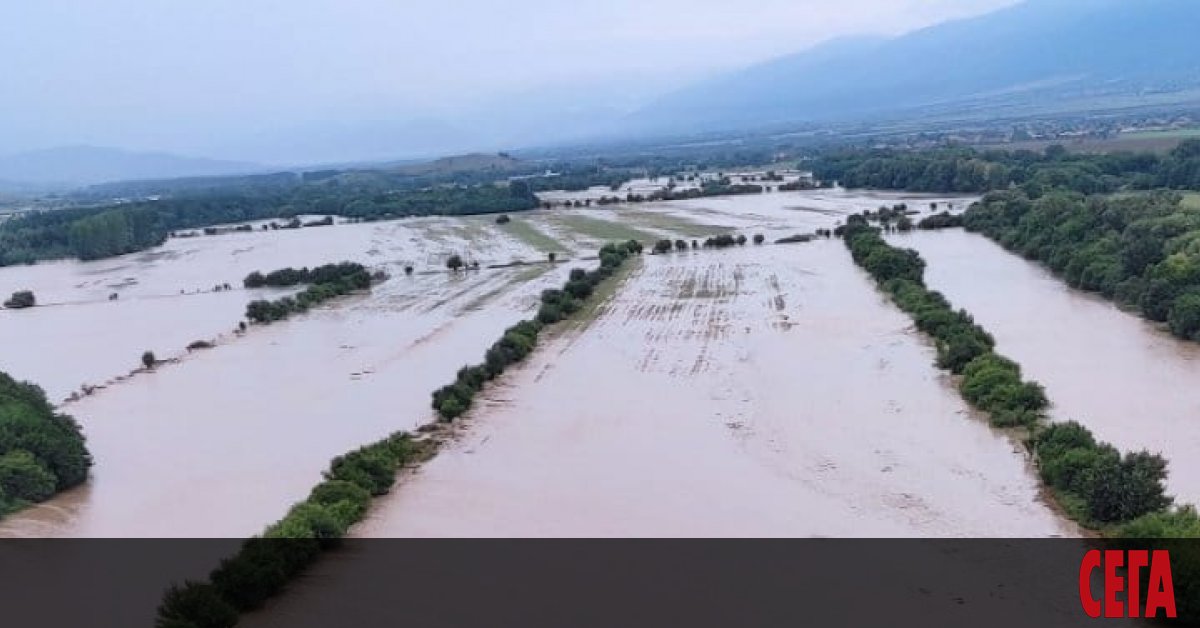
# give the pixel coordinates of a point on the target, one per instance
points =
(760, 391)
(220, 443)
(166, 298)
(1131, 383)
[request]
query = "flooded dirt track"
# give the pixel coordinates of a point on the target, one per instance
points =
(1131, 383)
(764, 391)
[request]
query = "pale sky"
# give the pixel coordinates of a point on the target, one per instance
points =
(200, 77)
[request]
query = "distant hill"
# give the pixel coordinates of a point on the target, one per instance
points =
(1039, 52)
(83, 165)
(470, 162)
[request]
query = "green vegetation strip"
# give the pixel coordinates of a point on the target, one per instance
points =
(1141, 250)
(42, 452)
(265, 564)
(532, 236)
(327, 282)
(967, 170)
(105, 231)
(674, 224)
(1121, 496)
(600, 229)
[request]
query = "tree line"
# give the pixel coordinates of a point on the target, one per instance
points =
(971, 170)
(105, 231)
(1120, 494)
(286, 277)
(264, 565)
(42, 451)
(453, 400)
(1141, 250)
(327, 282)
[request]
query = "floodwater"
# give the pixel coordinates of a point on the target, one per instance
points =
(223, 442)
(166, 298)
(1130, 382)
(762, 391)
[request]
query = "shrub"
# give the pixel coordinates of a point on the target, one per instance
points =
(29, 423)
(549, 314)
(23, 477)
(518, 341)
(1112, 487)
(579, 289)
(312, 520)
(1184, 315)
(21, 299)
(370, 468)
(759, 238)
(335, 493)
(195, 605)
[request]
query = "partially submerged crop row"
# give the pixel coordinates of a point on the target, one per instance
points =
(264, 565)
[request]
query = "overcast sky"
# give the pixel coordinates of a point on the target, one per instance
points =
(194, 76)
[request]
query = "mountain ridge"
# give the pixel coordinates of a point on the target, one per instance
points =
(79, 165)
(1037, 44)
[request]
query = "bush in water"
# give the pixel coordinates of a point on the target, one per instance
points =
(453, 400)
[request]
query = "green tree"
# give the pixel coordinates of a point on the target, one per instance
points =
(1184, 317)
(22, 476)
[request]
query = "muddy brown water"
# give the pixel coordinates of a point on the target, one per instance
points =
(762, 391)
(766, 391)
(223, 442)
(769, 380)
(1132, 383)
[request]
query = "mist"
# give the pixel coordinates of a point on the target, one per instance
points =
(309, 81)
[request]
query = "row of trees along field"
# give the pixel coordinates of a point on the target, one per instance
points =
(970, 170)
(264, 565)
(1143, 250)
(1095, 483)
(518, 341)
(325, 282)
(104, 231)
(1123, 496)
(41, 451)
(1089, 218)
